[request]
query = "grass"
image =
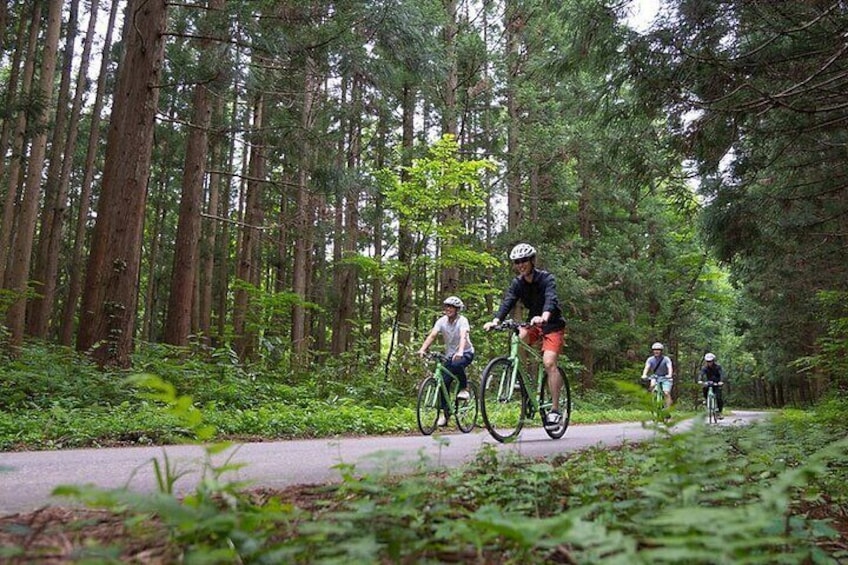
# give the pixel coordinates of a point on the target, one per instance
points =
(774, 492)
(52, 398)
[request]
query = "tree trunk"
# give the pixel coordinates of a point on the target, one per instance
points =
(303, 244)
(348, 275)
(448, 280)
(66, 331)
(247, 268)
(18, 144)
(210, 230)
(18, 274)
(184, 274)
(46, 270)
(107, 320)
(405, 238)
(377, 242)
(513, 175)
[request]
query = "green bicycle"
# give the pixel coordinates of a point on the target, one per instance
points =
(431, 392)
(712, 401)
(506, 402)
(658, 410)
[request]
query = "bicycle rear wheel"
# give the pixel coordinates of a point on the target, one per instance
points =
(428, 405)
(563, 406)
(466, 410)
(502, 400)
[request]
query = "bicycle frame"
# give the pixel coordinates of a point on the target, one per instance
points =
(510, 397)
(712, 402)
(515, 348)
(434, 396)
(658, 409)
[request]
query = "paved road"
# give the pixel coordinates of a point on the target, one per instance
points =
(28, 478)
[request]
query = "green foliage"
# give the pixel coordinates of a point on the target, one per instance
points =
(710, 495)
(831, 360)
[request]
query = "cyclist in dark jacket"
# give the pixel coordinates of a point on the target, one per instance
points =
(712, 372)
(536, 289)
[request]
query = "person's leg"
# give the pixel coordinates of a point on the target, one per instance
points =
(551, 346)
(666, 388)
(457, 367)
(549, 358)
(448, 380)
(719, 399)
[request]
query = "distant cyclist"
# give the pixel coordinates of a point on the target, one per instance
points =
(711, 372)
(659, 369)
(455, 331)
(537, 291)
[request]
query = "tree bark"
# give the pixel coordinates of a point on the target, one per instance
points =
(184, 274)
(405, 238)
(69, 309)
(247, 268)
(107, 319)
(303, 244)
(18, 143)
(448, 281)
(46, 270)
(18, 274)
(513, 175)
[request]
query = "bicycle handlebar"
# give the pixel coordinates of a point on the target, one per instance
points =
(711, 383)
(510, 325)
(435, 356)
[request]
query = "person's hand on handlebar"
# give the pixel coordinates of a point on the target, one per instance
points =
(537, 321)
(489, 325)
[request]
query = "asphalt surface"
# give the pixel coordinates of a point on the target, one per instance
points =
(28, 478)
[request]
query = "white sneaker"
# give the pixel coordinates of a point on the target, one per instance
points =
(463, 395)
(553, 420)
(442, 421)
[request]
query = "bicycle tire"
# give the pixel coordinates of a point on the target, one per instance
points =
(503, 404)
(564, 405)
(466, 410)
(428, 408)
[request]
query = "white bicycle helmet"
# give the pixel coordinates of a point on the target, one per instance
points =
(453, 301)
(709, 357)
(657, 345)
(522, 251)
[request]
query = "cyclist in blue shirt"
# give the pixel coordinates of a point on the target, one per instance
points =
(659, 368)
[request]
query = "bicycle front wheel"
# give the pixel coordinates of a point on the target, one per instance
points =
(428, 405)
(563, 405)
(466, 410)
(712, 410)
(502, 400)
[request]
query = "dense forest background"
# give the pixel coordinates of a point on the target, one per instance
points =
(302, 182)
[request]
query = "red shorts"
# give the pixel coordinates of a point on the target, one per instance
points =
(550, 342)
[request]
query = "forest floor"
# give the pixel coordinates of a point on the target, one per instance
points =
(60, 535)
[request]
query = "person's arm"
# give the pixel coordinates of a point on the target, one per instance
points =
(463, 340)
(428, 341)
(551, 301)
(646, 369)
(670, 368)
(509, 300)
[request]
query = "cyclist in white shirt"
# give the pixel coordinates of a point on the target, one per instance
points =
(455, 331)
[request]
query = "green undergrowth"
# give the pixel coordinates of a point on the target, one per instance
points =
(54, 398)
(766, 493)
